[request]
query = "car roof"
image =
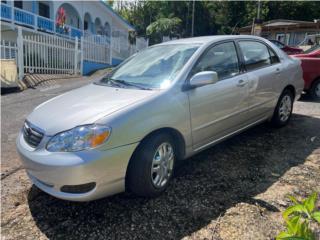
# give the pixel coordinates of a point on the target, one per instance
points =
(209, 39)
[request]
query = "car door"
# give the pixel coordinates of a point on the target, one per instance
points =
(220, 108)
(264, 72)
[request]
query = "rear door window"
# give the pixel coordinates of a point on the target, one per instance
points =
(256, 55)
(273, 57)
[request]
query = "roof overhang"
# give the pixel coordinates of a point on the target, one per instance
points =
(282, 23)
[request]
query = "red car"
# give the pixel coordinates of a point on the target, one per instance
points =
(310, 63)
(287, 49)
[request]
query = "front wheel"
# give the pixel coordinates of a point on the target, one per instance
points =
(315, 90)
(151, 167)
(283, 110)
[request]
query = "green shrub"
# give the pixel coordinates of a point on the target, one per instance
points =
(299, 218)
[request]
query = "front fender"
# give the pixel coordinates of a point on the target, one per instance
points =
(168, 109)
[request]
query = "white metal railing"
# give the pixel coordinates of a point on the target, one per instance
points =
(96, 48)
(44, 53)
(8, 50)
(49, 54)
(119, 40)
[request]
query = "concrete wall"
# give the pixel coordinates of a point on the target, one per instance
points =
(89, 67)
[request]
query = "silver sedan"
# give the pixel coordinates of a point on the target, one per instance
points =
(164, 104)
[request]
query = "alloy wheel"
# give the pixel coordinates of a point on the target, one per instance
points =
(285, 108)
(162, 165)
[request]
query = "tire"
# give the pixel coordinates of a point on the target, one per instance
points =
(282, 112)
(146, 166)
(315, 90)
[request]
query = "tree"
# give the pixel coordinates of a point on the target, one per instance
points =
(109, 2)
(211, 17)
(164, 27)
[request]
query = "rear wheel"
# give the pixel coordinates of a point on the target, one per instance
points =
(315, 90)
(151, 167)
(283, 110)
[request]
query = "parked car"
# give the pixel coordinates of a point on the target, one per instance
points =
(287, 49)
(310, 62)
(164, 104)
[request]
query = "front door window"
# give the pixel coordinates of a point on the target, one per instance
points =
(222, 59)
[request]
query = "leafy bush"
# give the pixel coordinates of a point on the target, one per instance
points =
(299, 218)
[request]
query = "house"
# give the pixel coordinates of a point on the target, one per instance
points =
(89, 32)
(289, 32)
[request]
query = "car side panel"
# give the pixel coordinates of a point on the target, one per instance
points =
(292, 75)
(217, 109)
(263, 90)
(311, 70)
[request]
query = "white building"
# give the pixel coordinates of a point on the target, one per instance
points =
(84, 19)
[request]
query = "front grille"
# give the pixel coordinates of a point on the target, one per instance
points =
(31, 135)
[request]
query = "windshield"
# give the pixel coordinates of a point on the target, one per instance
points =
(316, 47)
(154, 67)
(278, 44)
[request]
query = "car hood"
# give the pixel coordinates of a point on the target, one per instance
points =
(84, 105)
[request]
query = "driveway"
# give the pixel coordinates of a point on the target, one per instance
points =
(235, 190)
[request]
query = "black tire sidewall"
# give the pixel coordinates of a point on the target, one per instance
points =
(312, 90)
(138, 178)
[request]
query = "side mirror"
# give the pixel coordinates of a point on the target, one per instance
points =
(203, 78)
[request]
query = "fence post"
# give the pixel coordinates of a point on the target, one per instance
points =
(76, 52)
(82, 55)
(110, 48)
(20, 53)
(12, 14)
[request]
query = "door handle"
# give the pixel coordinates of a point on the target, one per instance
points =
(241, 83)
(278, 71)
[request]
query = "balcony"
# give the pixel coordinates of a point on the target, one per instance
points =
(30, 20)
(5, 12)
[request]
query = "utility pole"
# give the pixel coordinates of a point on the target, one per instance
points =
(187, 17)
(192, 26)
(257, 24)
(258, 12)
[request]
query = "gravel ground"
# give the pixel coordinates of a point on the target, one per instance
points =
(235, 190)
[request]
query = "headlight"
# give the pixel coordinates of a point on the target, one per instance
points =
(79, 138)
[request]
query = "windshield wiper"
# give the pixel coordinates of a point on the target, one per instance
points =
(129, 84)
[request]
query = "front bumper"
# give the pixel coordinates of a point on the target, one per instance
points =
(51, 171)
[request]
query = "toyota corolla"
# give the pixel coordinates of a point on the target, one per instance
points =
(164, 104)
